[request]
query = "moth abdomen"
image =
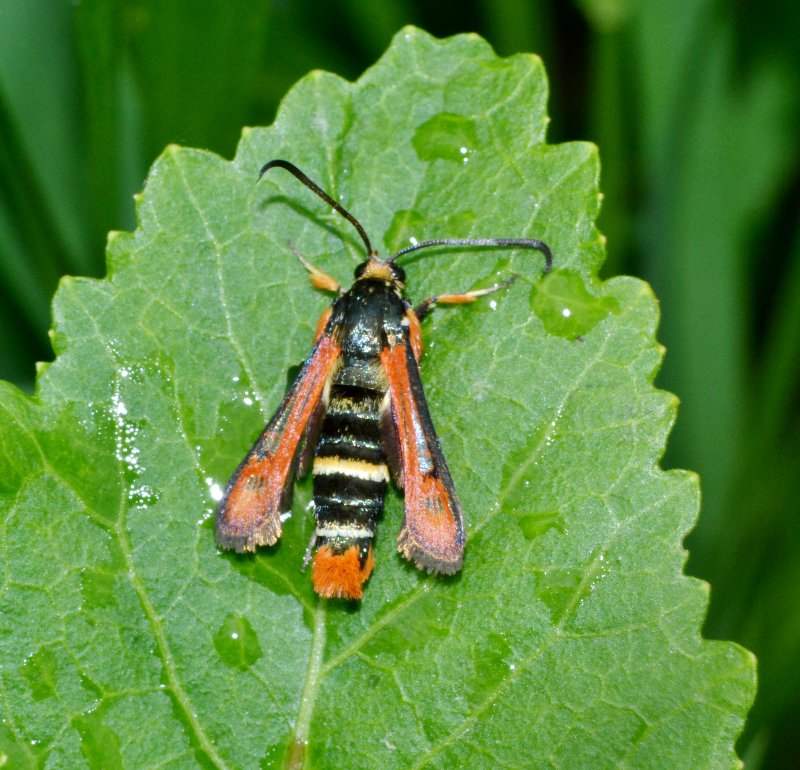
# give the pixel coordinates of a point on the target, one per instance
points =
(350, 480)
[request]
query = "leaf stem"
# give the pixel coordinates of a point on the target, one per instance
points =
(296, 757)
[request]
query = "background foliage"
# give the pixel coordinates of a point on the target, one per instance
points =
(696, 114)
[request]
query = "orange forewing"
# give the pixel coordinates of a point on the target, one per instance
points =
(249, 513)
(432, 535)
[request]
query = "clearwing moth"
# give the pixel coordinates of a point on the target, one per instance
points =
(356, 414)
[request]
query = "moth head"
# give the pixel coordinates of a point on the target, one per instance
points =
(376, 268)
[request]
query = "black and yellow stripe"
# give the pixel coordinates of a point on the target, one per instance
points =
(350, 470)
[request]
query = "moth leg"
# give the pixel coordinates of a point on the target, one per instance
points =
(429, 304)
(310, 550)
(319, 280)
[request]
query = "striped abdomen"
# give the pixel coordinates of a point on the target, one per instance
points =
(350, 478)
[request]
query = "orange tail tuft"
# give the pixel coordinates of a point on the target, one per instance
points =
(340, 576)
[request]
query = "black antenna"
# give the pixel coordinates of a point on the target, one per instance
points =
(529, 243)
(292, 169)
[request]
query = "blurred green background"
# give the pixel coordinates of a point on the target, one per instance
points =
(695, 106)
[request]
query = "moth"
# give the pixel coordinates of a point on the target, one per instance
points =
(357, 416)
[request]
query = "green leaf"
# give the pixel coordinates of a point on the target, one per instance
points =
(570, 638)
